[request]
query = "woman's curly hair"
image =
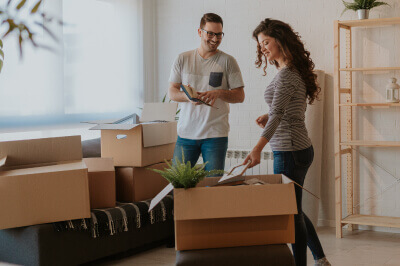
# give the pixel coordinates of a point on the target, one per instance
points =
(293, 51)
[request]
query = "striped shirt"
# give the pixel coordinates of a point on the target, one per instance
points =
(286, 98)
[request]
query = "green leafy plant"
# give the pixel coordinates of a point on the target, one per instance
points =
(183, 175)
(10, 15)
(362, 4)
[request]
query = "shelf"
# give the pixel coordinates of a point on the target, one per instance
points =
(370, 69)
(371, 104)
(371, 143)
(372, 220)
(369, 22)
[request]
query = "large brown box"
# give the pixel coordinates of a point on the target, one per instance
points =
(101, 182)
(139, 183)
(42, 181)
(210, 216)
(141, 144)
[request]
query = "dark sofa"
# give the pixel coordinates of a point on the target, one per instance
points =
(43, 245)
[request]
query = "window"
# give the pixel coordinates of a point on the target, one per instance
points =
(94, 72)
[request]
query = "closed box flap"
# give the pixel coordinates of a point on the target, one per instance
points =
(41, 151)
(234, 201)
(159, 111)
(3, 161)
(155, 134)
(99, 164)
(114, 127)
(57, 167)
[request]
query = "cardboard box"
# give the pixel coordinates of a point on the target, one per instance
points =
(230, 216)
(42, 181)
(139, 183)
(143, 144)
(101, 182)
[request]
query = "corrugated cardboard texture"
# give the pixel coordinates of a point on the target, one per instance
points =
(139, 183)
(155, 134)
(99, 164)
(234, 201)
(129, 151)
(39, 151)
(233, 232)
(44, 195)
(101, 182)
(159, 111)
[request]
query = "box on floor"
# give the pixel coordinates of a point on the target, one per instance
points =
(210, 216)
(139, 183)
(101, 182)
(140, 144)
(42, 181)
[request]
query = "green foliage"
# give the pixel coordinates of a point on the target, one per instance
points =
(362, 4)
(183, 175)
(10, 16)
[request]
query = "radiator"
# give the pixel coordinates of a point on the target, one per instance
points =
(235, 157)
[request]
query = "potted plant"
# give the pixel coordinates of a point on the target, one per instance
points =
(362, 7)
(183, 175)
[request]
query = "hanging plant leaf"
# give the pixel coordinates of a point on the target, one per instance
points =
(21, 4)
(36, 7)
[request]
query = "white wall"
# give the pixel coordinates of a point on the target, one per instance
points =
(176, 23)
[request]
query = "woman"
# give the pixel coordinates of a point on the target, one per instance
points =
(284, 126)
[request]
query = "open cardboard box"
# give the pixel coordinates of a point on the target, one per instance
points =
(42, 181)
(139, 183)
(212, 215)
(148, 142)
(102, 190)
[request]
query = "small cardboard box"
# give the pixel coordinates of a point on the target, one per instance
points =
(101, 182)
(139, 183)
(42, 181)
(210, 216)
(149, 142)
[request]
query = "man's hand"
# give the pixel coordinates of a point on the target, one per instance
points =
(209, 96)
(262, 120)
(193, 102)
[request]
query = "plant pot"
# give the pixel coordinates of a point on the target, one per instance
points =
(363, 13)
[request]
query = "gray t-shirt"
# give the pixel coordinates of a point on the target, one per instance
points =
(221, 72)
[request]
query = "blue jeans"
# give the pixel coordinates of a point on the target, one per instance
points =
(295, 164)
(213, 151)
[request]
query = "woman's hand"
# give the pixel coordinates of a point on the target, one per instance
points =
(262, 120)
(254, 158)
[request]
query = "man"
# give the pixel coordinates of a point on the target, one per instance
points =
(216, 77)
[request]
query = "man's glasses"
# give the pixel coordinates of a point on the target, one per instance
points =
(211, 34)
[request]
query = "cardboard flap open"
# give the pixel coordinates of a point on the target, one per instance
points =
(114, 126)
(155, 134)
(159, 111)
(287, 180)
(3, 161)
(130, 119)
(160, 196)
(99, 164)
(194, 204)
(39, 151)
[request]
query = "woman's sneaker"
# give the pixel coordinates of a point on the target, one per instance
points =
(322, 262)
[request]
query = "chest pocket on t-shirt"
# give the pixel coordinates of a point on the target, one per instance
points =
(215, 79)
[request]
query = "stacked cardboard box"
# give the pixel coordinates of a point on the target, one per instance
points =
(215, 216)
(101, 182)
(138, 145)
(42, 181)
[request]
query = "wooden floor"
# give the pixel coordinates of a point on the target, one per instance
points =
(356, 248)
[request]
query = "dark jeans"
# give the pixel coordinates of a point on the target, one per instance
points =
(213, 151)
(295, 164)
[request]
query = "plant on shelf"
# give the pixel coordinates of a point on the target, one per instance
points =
(12, 15)
(362, 7)
(183, 175)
